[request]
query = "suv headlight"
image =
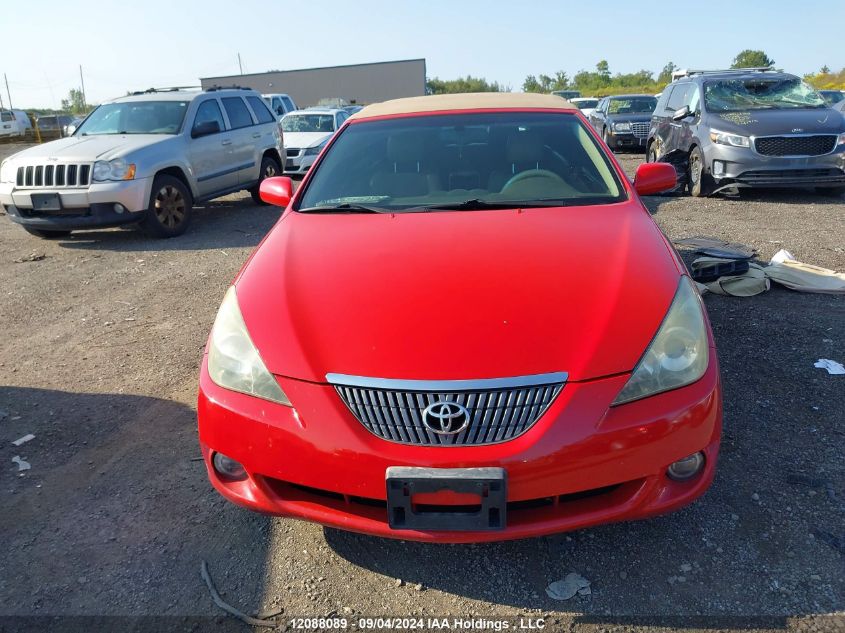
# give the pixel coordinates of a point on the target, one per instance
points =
(313, 151)
(117, 169)
(624, 126)
(726, 138)
(678, 355)
(233, 361)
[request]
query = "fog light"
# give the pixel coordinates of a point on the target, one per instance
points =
(718, 168)
(228, 467)
(119, 208)
(686, 468)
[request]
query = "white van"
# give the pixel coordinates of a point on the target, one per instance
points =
(279, 103)
(23, 120)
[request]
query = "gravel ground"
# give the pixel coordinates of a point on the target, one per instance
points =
(103, 336)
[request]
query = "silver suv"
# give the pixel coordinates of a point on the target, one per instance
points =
(145, 158)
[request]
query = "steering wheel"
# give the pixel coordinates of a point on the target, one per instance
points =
(528, 174)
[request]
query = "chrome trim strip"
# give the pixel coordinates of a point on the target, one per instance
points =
(482, 384)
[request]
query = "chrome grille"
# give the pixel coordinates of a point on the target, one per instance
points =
(640, 129)
(52, 175)
(497, 410)
(798, 145)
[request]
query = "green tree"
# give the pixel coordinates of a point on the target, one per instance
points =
(75, 102)
(603, 69)
(825, 70)
(752, 59)
(531, 84)
(665, 75)
(469, 83)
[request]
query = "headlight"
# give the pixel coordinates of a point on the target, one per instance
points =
(7, 172)
(725, 138)
(313, 151)
(678, 355)
(117, 169)
(233, 361)
(625, 126)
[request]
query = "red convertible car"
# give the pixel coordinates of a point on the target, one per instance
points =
(464, 327)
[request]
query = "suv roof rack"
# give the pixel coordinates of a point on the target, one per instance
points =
(689, 72)
(169, 89)
(232, 87)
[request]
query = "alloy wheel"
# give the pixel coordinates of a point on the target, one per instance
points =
(170, 206)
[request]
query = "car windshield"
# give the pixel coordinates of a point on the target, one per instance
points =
(136, 117)
(632, 105)
(463, 161)
(308, 123)
(738, 95)
(585, 104)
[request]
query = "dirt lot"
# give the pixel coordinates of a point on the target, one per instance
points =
(103, 333)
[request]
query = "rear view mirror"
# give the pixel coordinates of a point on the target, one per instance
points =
(681, 114)
(653, 178)
(276, 191)
(205, 128)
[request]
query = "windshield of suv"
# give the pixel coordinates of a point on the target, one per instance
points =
(462, 161)
(737, 95)
(308, 123)
(135, 117)
(634, 105)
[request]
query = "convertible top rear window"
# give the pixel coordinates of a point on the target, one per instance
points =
(420, 161)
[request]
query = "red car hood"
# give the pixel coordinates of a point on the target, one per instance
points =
(459, 295)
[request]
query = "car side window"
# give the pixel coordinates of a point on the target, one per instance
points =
(209, 111)
(278, 106)
(239, 116)
(287, 101)
(693, 98)
(260, 109)
(663, 102)
(341, 117)
(678, 97)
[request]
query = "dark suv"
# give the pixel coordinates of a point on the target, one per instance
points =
(748, 127)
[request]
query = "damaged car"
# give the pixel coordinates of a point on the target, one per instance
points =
(623, 121)
(466, 326)
(749, 128)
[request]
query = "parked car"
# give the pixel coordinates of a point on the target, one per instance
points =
(52, 122)
(279, 103)
(432, 343)
(23, 121)
(70, 128)
(586, 104)
(567, 94)
(352, 109)
(749, 128)
(306, 133)
(8, 124)
(146, 159)
(832, 96)
(623, 120)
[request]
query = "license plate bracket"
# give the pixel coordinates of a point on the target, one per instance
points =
(489, 484)
(46, 202)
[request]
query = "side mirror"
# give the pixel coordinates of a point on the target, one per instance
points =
(681, 114)
(653, 178)
(205, 128)
(276, 191)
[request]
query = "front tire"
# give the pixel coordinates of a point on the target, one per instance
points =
(700, 183)
(651, 153)
(46, 234)
(169, 212)
(269, 168)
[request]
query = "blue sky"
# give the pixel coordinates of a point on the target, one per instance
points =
(129, 46)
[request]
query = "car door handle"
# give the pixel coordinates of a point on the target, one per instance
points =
(226, 142)
(256, 135)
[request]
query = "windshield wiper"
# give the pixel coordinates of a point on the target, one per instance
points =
(346, 207)
(477, 204)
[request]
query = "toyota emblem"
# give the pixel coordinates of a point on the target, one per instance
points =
(445, 418)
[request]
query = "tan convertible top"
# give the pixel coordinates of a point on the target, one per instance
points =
(465, 101)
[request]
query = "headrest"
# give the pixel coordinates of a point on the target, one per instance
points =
(405, 147)
(525, 147)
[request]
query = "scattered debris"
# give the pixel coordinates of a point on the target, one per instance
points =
(707, 269)
(832, 367)
(32, 257)
(717, 248)
(752, 282)
(23, 440)
(22, 465)
(784, 269)
(229, 608)
(565, 589)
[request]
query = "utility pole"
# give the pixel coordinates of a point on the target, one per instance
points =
(82, 81)
(240, 65)
(6, 79)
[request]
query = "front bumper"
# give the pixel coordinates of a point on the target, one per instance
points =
(581, 464)
(81, 208)
(621, 140)
(299, 163)
(746, 167)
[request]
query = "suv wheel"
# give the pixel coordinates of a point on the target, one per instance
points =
(45, 234)
(700, 183)
(269, 168)
(170, 208)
